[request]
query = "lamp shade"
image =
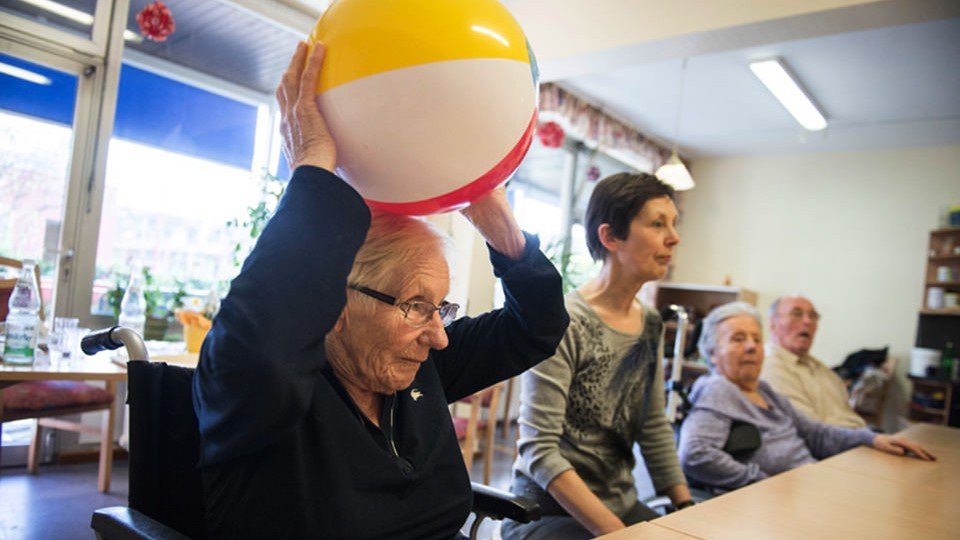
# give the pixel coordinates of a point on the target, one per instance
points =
(675, 174)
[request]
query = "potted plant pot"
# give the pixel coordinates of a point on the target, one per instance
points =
(155, 328)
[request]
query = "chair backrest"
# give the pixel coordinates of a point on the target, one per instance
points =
(6, 289)
(165, 482)
(468, 429)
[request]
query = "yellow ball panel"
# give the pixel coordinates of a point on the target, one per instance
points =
(365, 37)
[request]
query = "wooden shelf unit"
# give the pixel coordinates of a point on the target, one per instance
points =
(927, 388)
(943, 249)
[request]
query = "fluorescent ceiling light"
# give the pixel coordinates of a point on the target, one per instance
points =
(775, 77)
(66, 12)
(24, 74)
(76, 15)
(675, 174)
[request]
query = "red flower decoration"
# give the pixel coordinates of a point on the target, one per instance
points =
(550, 134)
(156, 21)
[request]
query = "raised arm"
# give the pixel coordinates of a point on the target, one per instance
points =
(493, 218)
(260, 361)
(505, 342)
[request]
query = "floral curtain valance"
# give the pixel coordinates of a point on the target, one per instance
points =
(595, 127)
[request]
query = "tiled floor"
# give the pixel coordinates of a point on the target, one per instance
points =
(57, 503)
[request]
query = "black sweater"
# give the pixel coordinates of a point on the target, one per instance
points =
(285, 452)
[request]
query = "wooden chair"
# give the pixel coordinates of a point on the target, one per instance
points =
(46, 401)
(480, 424)
(506, 407)
(507, 424)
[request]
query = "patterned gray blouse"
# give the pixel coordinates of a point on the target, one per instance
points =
(586, 406)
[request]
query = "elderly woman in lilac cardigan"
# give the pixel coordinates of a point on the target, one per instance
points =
(732, 340)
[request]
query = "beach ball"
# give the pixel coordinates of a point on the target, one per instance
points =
(432, 103)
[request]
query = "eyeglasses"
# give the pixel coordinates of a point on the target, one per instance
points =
(798, 314)
(415, 312)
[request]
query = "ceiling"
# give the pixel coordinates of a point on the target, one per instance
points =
(880, 88)
(885, 72)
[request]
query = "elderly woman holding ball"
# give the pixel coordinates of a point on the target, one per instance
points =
(322, 388)
(732, 341)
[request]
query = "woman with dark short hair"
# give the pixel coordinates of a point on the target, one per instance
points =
(583, 409)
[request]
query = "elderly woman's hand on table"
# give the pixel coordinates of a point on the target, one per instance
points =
(306, 139)
(901, 446)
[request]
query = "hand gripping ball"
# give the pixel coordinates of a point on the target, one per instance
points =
(432, 103)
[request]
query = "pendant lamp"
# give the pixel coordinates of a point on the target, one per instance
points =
(674, 173)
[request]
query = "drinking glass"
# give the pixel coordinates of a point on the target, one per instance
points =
(71, 344)
(61, 326)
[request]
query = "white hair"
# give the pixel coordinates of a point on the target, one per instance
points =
(708, 332)
(394, 242)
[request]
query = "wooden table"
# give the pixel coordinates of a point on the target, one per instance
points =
(861, 493)
(85, 368)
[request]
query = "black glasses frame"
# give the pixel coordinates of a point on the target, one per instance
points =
(447, 310)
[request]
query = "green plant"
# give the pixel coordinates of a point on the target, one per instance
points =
(573, 273)
(257, 216)
(176, 301)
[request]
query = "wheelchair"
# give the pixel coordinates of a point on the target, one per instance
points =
(166, 494)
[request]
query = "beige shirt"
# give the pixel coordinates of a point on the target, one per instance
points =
(813, 388)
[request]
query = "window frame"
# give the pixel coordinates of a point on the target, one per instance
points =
(96, 62)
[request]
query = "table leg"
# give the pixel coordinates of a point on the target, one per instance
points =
(106, 440)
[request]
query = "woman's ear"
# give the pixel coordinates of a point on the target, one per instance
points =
(608, 239)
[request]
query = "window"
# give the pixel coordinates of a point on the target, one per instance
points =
(535, 193)
(36, 116)
(179, 168)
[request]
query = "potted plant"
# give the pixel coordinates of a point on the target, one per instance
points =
(248, 228)
(196, 317)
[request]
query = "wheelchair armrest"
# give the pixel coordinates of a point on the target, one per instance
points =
(744, 439)
(497, 504)
(125, 523)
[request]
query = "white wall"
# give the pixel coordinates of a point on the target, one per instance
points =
(849, 230)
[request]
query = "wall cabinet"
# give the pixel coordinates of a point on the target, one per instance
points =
(942, 280)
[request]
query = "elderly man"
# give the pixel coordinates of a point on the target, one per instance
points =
(323, 386)
(812, 387)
